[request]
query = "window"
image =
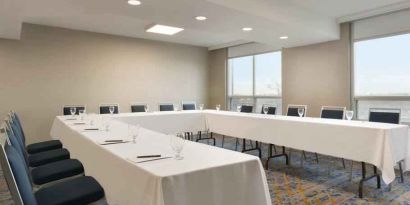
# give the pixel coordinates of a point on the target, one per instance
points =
(382, 75)
(255, 80)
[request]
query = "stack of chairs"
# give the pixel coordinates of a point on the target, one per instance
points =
(43, 173)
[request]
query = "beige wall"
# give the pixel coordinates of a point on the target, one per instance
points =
(318, 74)
(50, 67)
(217, 78)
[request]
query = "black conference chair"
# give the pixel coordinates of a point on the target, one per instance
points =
(105, 108)
(67, 108)
(80, 191)
(166, 107)
(49, 172)
(138, 107)
(271, 110)
(15, 123)
(330, 112)
(37, 159)
(381, 115)
(188, 106)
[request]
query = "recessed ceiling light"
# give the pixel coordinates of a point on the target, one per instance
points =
(201, 18)
(283, 37)
(134, 2)
(247, 29)
(166, 30)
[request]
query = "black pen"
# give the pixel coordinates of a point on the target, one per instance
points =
(149, 156)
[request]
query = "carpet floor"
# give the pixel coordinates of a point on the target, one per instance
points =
(309, 183)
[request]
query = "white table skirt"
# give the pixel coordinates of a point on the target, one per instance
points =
(206, 176)
(380, 144)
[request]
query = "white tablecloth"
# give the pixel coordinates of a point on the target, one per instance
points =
(206, 176)
(379, 144)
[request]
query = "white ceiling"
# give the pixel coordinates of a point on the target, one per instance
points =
(304, 21)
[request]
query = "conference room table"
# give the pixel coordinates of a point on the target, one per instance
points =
(382, 145)
(206, 175)
(379, 144)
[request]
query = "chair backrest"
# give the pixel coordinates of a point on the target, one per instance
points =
(271, 110)
(105, 108)
(66, 109)
(384, 115)
(166, 107)
(8, 173)
(20, 175)
(246, 108)
(16, 119)
(136, 107)
(9, 134)
(293, 110)
(332, 112)
(188, 106)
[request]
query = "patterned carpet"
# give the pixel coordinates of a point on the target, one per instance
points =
(326, 183)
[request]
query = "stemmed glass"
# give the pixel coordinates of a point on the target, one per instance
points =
(73, 111)
(301, 111)
(111, 109)
(349, 114)
(91, 117)
(106, 120)
(177, 144)
(218, 107)
(146, 108)
(82, 114)
(176, 107)
(265, 109)
(133, 131)
(238, 108)
(201, 106)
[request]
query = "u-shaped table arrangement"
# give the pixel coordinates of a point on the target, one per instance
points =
(211, 175)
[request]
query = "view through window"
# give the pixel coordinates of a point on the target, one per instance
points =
(382, 75)
(255, 80)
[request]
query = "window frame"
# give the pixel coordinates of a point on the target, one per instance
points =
(356, 98)
(230, 88)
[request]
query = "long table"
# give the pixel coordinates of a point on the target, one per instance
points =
(379, 144)
(206, 176)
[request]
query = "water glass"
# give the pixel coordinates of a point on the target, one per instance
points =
(106, 121)
(177, 144)
(201, 106)
(265, 109)
(218, 107)
(111, 109)
(301, 111)
(238, 108)
(176, 107)
(91, 117)
(146, 108)
(73, 111)
(82, 114)
(133, 131)
(349, 114)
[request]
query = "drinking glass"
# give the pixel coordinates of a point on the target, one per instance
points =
(177, 144)
(111, 109)
(82, 114)
(133, 131)
(265, 109)
(238, 108)
(218, 107)
(73, 111)
(301, 111)
(176, 107)
(146, 108)
(91, 117)
(201, 106)
(349, 114)
(106, 121)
